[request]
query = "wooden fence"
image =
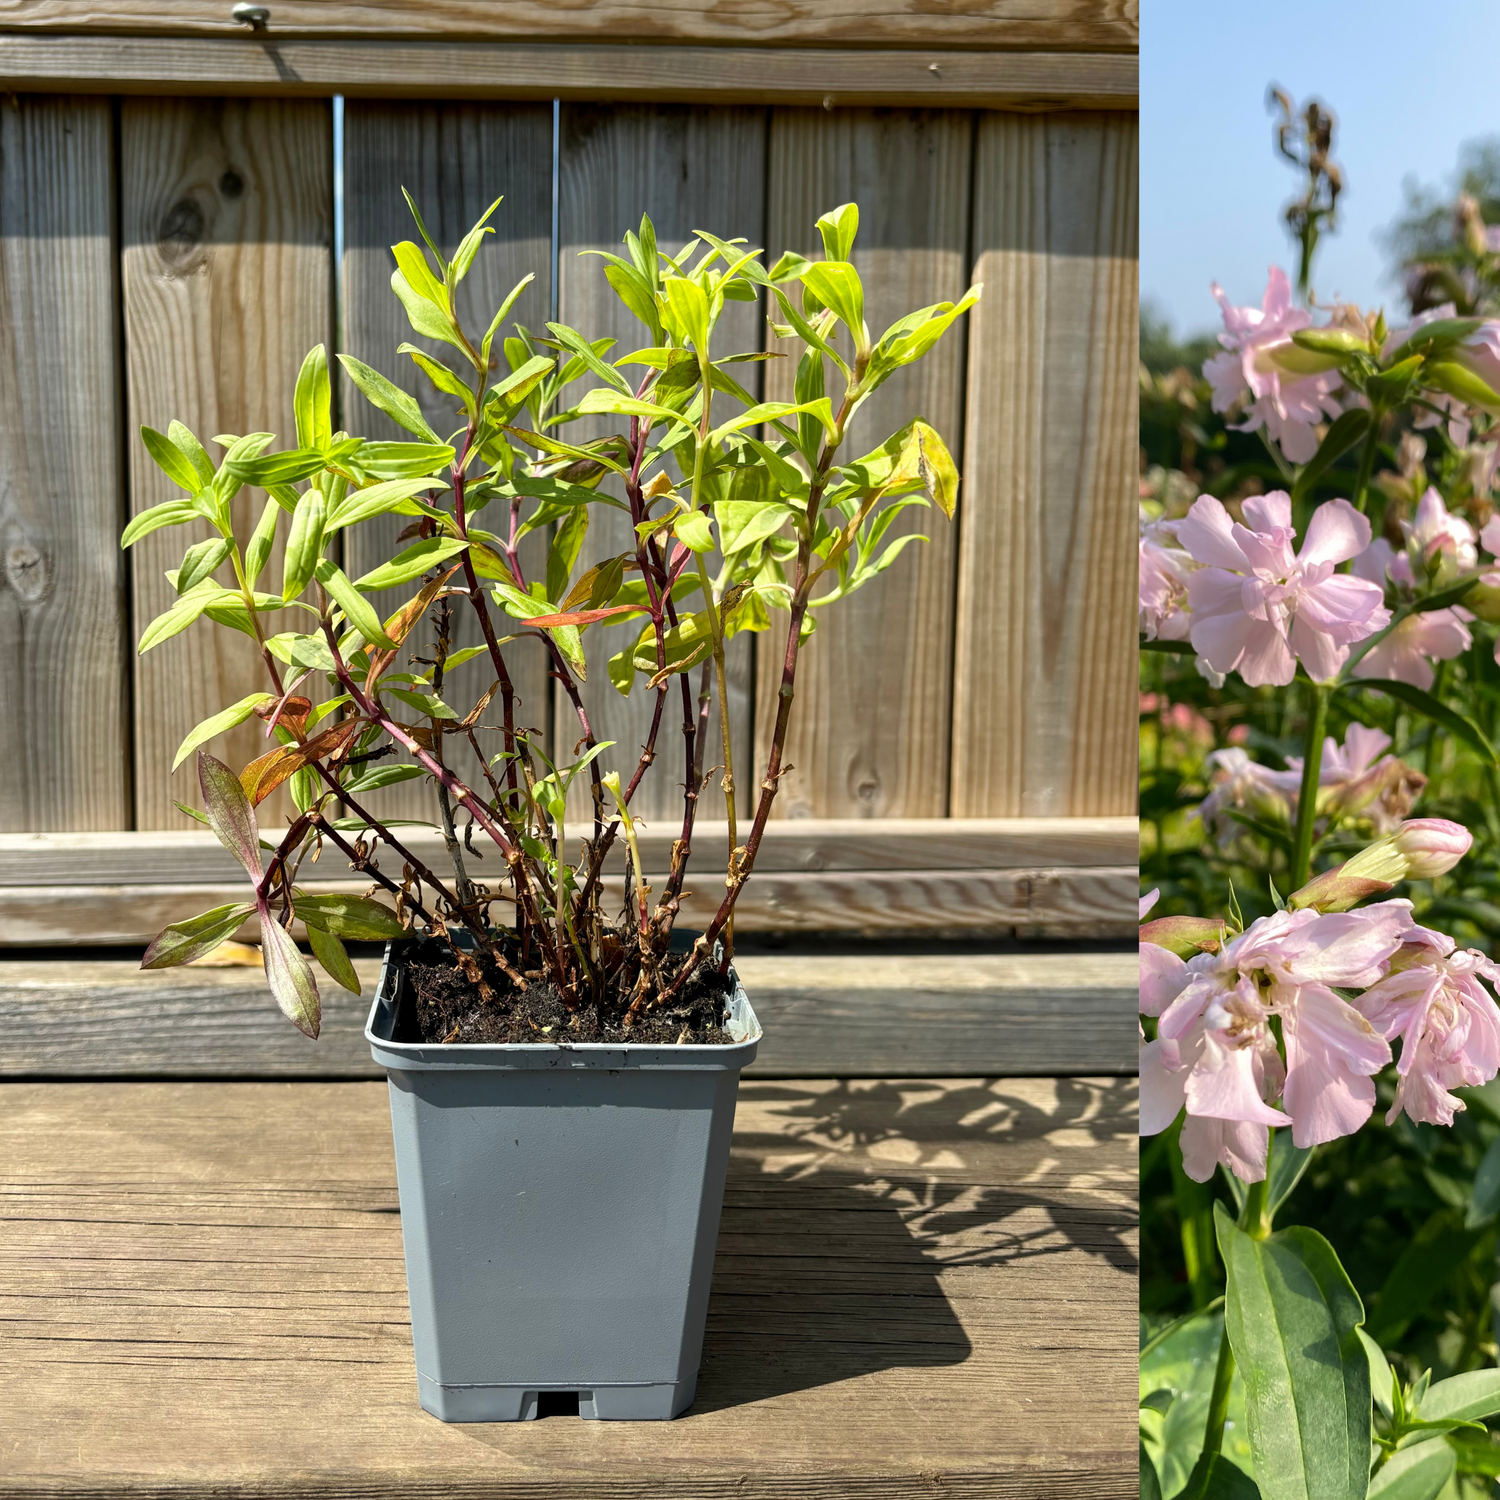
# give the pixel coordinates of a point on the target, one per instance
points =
(167, 228)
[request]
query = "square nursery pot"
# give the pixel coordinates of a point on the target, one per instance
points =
(559, 1208)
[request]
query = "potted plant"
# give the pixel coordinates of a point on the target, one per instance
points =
(562, 1082)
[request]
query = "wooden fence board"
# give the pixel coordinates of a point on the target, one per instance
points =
(64, 738)
(687, 169)
(870, 734)
(1044, 715)
(455, 159)
(226, 215)
(511, 71)
(853, 1015)
(803, 844)
(1082, 24)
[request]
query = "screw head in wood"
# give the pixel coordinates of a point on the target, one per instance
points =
(253, 16)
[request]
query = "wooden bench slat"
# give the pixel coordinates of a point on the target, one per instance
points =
(824, 1016)
(922, 1288)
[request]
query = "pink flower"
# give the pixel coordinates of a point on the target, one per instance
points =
(1431, 846)
(1257, 608)
(1245, 786)
(1288, 405)
(1352, 780)
(1408, 652)
(1448, 1025)
(1216, 1053)
(1148, 901)
(1439, 544)
(1164, 570)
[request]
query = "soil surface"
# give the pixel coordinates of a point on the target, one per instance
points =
(440, 1004)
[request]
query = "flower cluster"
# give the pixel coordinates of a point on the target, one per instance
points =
(1257, 608)
(1289, 406)
(1340, 986)
(1356, 780)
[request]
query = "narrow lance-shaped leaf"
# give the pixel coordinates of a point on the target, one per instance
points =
(304, 545)
(183, 942)
(201, 560)
(1432, 708)
(258, 553)
(389, 398)
(229, 812)
(172, 461)
(289, 975)
(329, 952)
(356, 918)
(218, 723)
(410, 563)
(312, 400)
(358, 610)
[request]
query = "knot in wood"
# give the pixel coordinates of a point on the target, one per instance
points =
(26, 571)
(183, 228)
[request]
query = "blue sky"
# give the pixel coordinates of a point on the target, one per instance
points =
(1408, 82)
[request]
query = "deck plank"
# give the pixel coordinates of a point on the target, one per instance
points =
(201, 1292)
(824, 1015)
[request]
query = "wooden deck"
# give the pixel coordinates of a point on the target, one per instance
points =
(922, 1288)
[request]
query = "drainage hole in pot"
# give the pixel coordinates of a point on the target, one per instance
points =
(556, 1404)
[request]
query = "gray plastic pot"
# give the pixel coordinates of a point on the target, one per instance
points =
(559, 1209)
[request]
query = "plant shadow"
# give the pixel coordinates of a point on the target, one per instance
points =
(840, 1219)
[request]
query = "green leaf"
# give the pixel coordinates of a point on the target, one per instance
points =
(304, 546)
(262, 539)
(173, 462)
(1288, 1163)
(468, 248)
(381, 393)
(430, 321)
(330, 952)
(836, 285)
(912, 346)
(172, 513)
(500, 315)
(375, 500)
(356, 918)
(613, 402)
(382, 776)
(563, 552)
(1181, 1362)
(1345, 432)
(632, 288)
(838, 228)
(768, 411)
(229, 812)
(411, 563)
(1417, 1474)
(686, 311)
(419, 275)
(277, 468)
(1462, 1398)
(1486, 1201)
(182, 942)
(621, 671)
(200, 560)
(312, 400)
(218, 723)
(290, 977)
(440, 375)
(1457, 724)
(576, 344)
(424, 703)
(404, 459)
(177, 619)
(358, 610)
(1458, 380)
(1292, 1316)
(694, 532)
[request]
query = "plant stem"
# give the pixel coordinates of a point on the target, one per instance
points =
(1307, 798)
(1255, 1220)
(1367, 459)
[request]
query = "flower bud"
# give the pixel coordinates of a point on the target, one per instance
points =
(1334, 890)
(1484, 598)
(1184, 936)
(1431, 846)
